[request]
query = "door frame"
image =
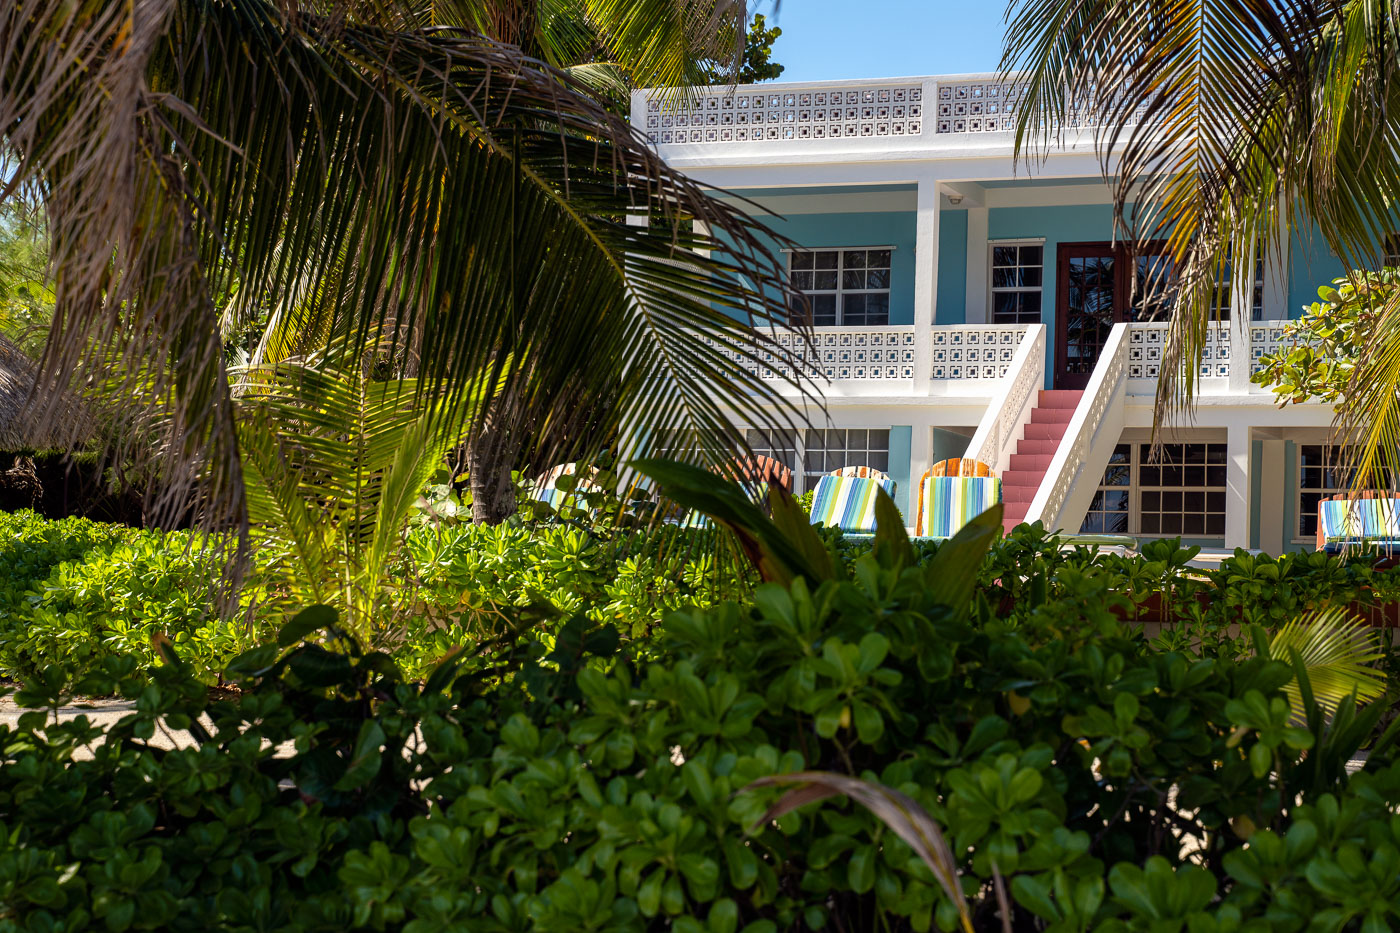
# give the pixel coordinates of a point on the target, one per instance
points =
(1122, 286)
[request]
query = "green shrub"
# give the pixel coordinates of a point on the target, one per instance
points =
(79, 591)
(583, 781)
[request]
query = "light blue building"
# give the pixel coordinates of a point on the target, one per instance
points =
(969, 306)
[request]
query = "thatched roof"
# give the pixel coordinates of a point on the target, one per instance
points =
(69, 425)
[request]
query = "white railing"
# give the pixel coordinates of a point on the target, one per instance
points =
(978, 353)
(1095, 427)
(1010, 409)
(975, 104)
(1146, 342)
(836, 354)
(775, 113)
(949, 106)
(974, 351)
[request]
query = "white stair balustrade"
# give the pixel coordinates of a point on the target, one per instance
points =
(1073, 476)
(1010, 409)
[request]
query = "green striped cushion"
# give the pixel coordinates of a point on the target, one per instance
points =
(848, 502)
(1358, 519)
(953, 501)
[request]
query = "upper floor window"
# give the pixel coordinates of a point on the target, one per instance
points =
(1392, 249)
(1223, 285)
(1017, 270)
(843, 286)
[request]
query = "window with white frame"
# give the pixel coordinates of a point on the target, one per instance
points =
(1221, 300)
(1018, 269)
(1392, 249)
(1179, 490)
(1109, 512)
(835, 448)
(779, 445)
(1324, 471)
(849, 287)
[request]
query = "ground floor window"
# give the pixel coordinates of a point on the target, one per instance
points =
(814, 453)
(1179, 489)
(1321, 475)
(835, 448)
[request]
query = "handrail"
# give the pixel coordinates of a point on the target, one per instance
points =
(1013, 403)
(1106, 387)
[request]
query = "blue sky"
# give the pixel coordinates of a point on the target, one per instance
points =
(838, 39)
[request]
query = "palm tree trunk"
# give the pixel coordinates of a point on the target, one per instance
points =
(491, 455)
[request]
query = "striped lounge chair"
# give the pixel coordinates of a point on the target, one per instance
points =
(960, 466)
(862, 471)
(546, 487)
(848, 502)
(947, 503)
(1366, 521)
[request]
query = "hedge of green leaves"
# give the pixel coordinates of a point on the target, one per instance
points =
(597, 781)
(79, 591)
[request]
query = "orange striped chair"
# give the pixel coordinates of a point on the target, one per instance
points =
(864, 472)
(960, 466)
(951, 494)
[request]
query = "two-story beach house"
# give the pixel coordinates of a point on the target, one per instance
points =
(969, 306)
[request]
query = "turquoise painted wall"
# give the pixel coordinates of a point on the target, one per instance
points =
(1081, 223)
(874, 228)
(951, 306)
(901, 438)
(1310, 264)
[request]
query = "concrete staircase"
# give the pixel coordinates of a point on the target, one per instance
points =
(1049, 420)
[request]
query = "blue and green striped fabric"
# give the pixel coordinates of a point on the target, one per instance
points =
(1354, 521)
(848, 502)
(953, 501)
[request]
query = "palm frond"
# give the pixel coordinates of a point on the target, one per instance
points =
(1337, 651)
(427, 184)
(1221, 124)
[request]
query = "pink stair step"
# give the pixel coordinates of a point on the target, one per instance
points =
(1037, 446)
(1036, 462)
(1052, 415)
(1049, 432)
(1059, 398)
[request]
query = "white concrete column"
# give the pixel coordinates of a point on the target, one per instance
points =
(925, 282)
(1237, 486)
(976, 301)
(1276, 276)
(1241, 312)
(1271, 473)
(920, 462)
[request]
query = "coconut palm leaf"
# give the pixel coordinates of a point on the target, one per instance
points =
(429, 185)
(334, 462)
(900, 812)
(1337, 651)
(1222, 123)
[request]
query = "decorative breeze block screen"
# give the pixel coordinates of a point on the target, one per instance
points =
(990, 107)
(1267, 338)
(875, 354)
(1146, 342)
(739, 116)
(974, 352)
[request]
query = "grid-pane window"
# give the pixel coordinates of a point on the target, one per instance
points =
(834, 448)
(1323, 472)
(842, 286)
(1108, 513)
(780, 445)
(1182, 489)
(1222, 289)
(1017, 271)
